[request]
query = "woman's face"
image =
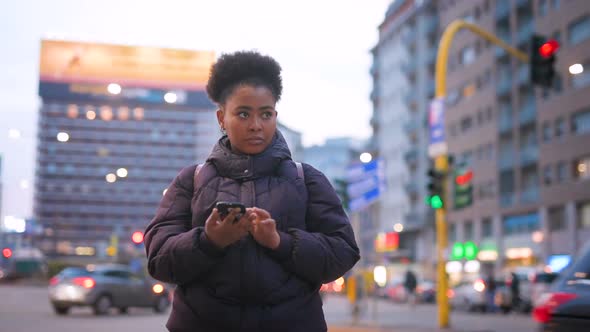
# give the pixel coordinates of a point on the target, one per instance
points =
(249, 118)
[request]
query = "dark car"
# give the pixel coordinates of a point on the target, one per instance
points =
(566, 307)
(103, 287)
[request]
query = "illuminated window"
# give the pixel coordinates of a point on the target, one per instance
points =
(123, 113)
(72, 111)
(138, 113)
(582, 168)
(584, 215)
(106, 113)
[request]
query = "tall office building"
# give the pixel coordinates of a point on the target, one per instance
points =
(116, 124)
(526, 146)
(403, 85)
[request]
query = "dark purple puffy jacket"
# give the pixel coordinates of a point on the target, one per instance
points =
(246, 287)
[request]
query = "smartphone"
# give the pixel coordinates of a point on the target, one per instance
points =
(223, 209)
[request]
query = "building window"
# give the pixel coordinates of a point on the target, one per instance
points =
(561, 171)
(487, 230)
(490, 151)
(489, 113)
(556, 218)
(480, 152)
(468, 231)
(582, 79)
(546, 132)
(582, 168)
(579, 30)
(547, 175)
(521, 224)
(452, 232)
(466, 124)
(559, 127)
(584, 215)
(467, 55)
(581, 122)
(557, 36)
(480, 118)
(555, 4)
(543, 7)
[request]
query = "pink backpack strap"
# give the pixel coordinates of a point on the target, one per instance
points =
(300, 170)
(195, 178)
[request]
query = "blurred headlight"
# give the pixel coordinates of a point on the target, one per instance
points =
(158, 288)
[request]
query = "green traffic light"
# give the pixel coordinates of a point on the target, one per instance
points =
(436, 202)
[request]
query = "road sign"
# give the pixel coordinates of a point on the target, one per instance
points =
(436, 121)
(366, 182)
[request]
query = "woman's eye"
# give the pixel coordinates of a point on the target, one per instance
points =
(266, 115)
(243, 115)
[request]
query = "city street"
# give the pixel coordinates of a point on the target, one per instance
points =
(26, 309)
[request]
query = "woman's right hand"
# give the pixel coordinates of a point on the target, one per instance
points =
(224, 232)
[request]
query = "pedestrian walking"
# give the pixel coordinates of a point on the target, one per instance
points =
(410, 284)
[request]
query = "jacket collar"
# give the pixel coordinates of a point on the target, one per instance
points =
(246, 167)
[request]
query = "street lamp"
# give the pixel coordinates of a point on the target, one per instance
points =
(576, 69)
(114, 88)
(366, 157)
(398, 227)
(170, 97)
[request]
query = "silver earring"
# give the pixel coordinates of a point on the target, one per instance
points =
(223, 130)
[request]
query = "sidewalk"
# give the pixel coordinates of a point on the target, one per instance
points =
(382, 329)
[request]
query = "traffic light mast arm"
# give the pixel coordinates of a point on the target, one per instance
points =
(445, 45)
(441, 161)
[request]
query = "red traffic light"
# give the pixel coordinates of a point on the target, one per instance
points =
(7, 252)
(464, 179)
(137, 237)
(549, 48)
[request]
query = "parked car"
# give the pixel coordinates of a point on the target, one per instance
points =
(540, 285)
(426, 291)
(103, 287)
(471, 295)
(566, 307)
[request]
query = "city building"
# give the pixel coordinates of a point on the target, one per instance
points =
(527, 147)
(294, 141)
(116, 125)
(334, 158)
(403, 86)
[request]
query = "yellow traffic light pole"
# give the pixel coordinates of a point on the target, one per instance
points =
(441, 161)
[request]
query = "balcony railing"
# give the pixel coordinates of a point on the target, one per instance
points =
(529, 195)
(506, 160)
(528, 113)
(506, 199)
(506, 122)
(504, 85)
(525, 31)
(523, 75)
(502, 9)
(529, 155)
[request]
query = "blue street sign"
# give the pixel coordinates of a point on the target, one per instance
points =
(366, 182)
(436, 121)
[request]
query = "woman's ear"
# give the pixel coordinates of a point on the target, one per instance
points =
(220, 115)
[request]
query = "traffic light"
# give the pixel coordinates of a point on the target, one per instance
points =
(6, 252)
(435, 189)
(542, 59)
(137, 237)
(341, 187)
(462, 187)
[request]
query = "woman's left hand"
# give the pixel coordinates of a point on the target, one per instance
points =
(264, 229)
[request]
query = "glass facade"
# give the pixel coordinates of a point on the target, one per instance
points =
(102, 166)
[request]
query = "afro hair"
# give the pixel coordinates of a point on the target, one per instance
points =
(243, 67)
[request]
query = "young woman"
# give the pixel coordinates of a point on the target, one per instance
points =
(262, 271)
